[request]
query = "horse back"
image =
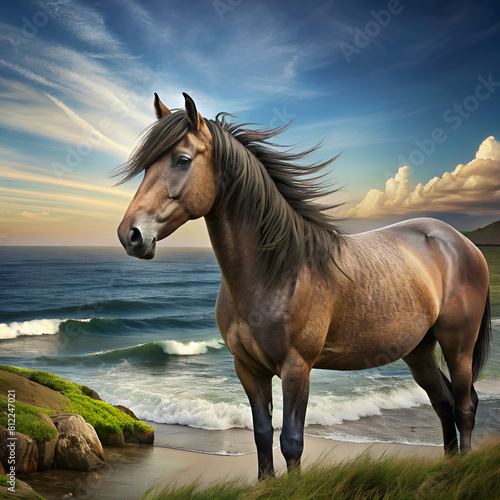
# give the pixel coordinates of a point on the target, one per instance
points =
(401, 279)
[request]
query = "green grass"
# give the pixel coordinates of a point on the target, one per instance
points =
(492, 255)
(27, 421)
(473, 476)
(104, 417)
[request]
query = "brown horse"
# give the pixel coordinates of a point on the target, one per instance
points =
(298, 294)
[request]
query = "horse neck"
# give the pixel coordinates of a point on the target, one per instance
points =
(236, 252)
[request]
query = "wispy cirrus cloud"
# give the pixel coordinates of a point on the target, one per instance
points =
(84, 125)
(84, 22)
(15, 171)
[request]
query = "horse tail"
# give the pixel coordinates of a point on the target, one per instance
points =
(483, 342)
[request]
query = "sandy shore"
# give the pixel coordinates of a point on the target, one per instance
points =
(209, 468)
(133, 470)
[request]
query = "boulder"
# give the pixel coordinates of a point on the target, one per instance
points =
(78, 447)
(139, 437)
(112, 439)
(22, 491)
(136, 436)
(126, 410)
(22, 450)
(94, 395)
(46, 449)
(74, 453)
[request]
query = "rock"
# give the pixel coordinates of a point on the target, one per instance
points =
(22, 450)
(78, 447)
(93, 394)
(139, 437)
(126, 410)
(46, 449)
(2, 471)
(112, 439)
(74, 453)
(22, 491)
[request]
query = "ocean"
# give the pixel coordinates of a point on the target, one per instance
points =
(143, 334)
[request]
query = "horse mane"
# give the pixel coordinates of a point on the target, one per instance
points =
(157, 139)
(269, 191)
(273, 193)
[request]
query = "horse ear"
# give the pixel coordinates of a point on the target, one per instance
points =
(195, 119)
(160, 108)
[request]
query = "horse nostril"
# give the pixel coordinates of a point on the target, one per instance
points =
(135, 237)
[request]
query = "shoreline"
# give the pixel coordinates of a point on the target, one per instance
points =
(131, 471)
(134, 469)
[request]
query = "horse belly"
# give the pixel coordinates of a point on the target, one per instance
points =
(361, 344)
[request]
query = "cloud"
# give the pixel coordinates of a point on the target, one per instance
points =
(85, 126)
(58, 199)
(16, 172)
(41, 216)
(473, 188)
(84, 22)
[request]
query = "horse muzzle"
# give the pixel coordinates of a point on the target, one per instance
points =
(136, 242)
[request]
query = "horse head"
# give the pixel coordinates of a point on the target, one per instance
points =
(179, 180)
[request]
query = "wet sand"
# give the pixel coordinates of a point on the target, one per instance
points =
(132, 470)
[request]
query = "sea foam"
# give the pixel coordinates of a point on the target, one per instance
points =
(33, 327)
(173, 407)
(175, 348)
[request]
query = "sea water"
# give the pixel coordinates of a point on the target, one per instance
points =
(143, 334)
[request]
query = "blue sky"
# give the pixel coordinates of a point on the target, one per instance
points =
(407, 91)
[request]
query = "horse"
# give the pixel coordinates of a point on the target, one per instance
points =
(298, 293)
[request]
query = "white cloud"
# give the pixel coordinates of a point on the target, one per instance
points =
(473, 188)
(84, 22)
(489, 149)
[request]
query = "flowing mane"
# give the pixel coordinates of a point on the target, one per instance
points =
(274, 194)
(270, 191)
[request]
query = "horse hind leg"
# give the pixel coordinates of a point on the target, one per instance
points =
(466, 400)
(425, 370)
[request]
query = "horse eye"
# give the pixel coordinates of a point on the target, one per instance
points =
(183, 161)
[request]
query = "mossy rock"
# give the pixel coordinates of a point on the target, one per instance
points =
(31, 392)
(28, 420)
(79, 399)
(22, 491)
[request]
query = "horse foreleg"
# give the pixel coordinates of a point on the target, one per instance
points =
(295, 387)
(259, 391)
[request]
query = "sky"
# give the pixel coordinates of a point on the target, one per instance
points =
(407, 91)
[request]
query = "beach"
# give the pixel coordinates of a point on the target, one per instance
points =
(133, 470)
(154, 347)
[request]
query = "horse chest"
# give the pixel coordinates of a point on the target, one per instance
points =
(253, 334)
